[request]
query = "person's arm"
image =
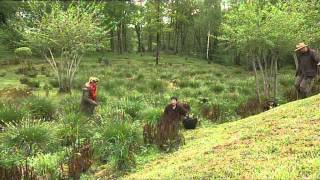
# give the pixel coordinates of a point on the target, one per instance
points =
(298, 69)
(86, 98)
(316, 57)
(183, 111)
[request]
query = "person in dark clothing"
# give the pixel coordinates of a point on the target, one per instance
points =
(308, 62)
(89, 96)
(169, 125)
(175, 111)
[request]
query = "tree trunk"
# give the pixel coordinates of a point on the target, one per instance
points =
(124, 34)
(112, 40)
(237, 58)
(266, 92)
(256, 80)
(158, 32)
(138, 31)
(120, 43)
(208, 46)
(150, 42)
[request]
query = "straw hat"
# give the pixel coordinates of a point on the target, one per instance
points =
(93, 79)
(300, 46)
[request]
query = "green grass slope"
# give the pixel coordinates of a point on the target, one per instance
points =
(283, 143)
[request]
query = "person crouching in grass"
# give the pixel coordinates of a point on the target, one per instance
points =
(89, 96)
(168, 135)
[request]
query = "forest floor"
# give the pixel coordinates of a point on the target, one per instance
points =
(282, 143)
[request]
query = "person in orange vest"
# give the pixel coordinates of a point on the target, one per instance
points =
(89, 96)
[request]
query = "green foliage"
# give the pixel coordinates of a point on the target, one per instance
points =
(33, 83)
(47, 165)
(9, 113)
(157, 85)
(29, 137)
(74, 129)
(217, 88)
(69, 104)
(151, 115)
(23, 52)
(121, 140)
(40, 108)
(79, 33)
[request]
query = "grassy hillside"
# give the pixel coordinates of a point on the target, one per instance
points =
(282, 143)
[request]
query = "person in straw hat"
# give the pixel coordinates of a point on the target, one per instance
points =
(308, 60)
(89, 96)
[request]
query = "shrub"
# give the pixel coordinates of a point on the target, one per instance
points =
(286, 82)
(157, 85)
(23, 52)
(133, 108)
(30, 137)
(29, 82)
(151, 117)
(54, 82)
(32, 73)
(40, 108)
(47, 165)
(251, 107)
(69, 104)
(10, 165)
(3, 74)
(11, 94)
(217, 88)
(290, 94)
(10, 114)
(212, 112)
(121, 140)
(189, 83)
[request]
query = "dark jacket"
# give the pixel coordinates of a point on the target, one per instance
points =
(175, 114)
(87, 104)
(307, 64)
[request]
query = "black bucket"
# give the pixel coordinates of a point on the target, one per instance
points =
(189, 122)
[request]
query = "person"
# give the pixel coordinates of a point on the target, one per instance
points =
(169, 125)
(308, 62)
(89, 96)
(174, 110)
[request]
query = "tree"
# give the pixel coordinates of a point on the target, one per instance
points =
(265, 33)
(64, 36)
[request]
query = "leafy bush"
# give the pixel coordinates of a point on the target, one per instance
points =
(54, 82)
(3, 74)
(286, 82)
(133, 108)
(30, 137)
(23, 52)
(151, 115)
(29, 82)
(40, 108)
(189, 83)
(74, 129)
(47, 165)
(157, 85)
(121, 140)
(69, 104)
(217, 88)
(251, 107)
(10, 114)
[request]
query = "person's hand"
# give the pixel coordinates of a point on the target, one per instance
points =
(318, 64)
